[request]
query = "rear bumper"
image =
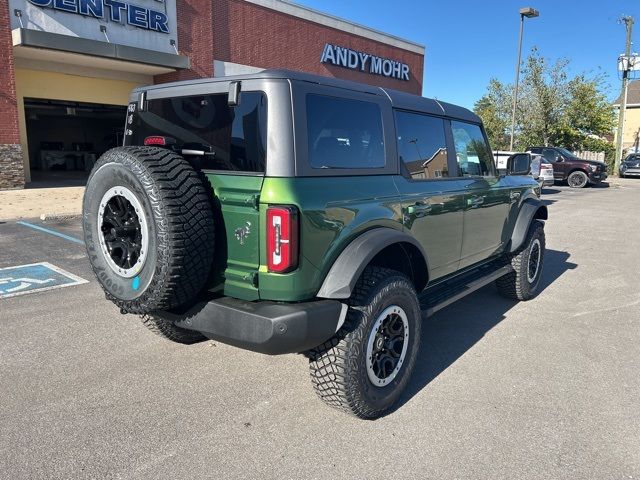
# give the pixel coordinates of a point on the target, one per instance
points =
(266, 327)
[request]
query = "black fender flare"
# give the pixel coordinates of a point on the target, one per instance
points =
(530, 209)
(346, 270)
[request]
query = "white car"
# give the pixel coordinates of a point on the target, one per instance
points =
(542, 170)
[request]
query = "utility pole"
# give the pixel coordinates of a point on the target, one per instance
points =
(626, 67)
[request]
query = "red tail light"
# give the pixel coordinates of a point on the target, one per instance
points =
(282, 239)
(159, 141)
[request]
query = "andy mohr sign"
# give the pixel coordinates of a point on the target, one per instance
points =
(365, 62)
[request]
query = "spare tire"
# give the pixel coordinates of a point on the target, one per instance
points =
(148, 228)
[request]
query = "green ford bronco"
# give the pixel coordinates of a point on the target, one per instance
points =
(289, 213)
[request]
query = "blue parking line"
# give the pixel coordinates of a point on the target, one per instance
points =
(50, 232)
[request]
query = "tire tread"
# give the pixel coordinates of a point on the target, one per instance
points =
(184, 226)
(332, 365)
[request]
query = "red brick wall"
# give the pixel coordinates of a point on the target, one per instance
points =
(195, 39)
(242, 32)
(248, 34)
(9, 133)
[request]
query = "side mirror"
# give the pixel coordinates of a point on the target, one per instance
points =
(559, 158)
(519, 164)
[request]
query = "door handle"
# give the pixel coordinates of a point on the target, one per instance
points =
(419, 209)
(476, 201)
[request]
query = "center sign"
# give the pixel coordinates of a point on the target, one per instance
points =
(145, 24)
(365, 62)
(115, 10)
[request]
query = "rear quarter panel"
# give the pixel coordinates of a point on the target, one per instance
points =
(333, 211)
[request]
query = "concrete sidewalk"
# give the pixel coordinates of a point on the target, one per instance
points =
(31, 203)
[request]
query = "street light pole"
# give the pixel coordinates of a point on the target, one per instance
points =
(628, 21)
(529, 13)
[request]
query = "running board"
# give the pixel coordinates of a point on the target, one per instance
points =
(438, 297)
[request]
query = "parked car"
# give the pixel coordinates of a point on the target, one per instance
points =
(283, 212)
(542, 170)
(630, 166)
(501, 157)
(577, 172)
(545, 177)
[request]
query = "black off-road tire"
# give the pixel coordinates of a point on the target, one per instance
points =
(578, 179)
(178, 215)
(338, 367)
(166, 328)
(519, 284)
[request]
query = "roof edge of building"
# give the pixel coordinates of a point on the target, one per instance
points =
(312, 15)
(66, 43)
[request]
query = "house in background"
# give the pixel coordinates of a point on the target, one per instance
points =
(631, 132)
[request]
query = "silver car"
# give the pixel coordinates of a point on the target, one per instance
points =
(630, 167)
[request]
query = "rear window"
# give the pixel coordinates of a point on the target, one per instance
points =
(344, 133)
(234, 138)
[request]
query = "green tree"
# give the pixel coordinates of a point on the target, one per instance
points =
(553, 109)
(542, 105)
(588, 112)
(494, 110)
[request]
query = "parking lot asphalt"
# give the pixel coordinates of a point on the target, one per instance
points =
(545, 389)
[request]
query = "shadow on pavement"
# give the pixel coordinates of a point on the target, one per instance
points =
(450, 333)
(550, 191)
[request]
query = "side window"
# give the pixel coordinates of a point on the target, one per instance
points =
(421, 145)
(473, 155)
(549, 154)
(344, 133)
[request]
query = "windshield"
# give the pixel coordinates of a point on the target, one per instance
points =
(632, 158)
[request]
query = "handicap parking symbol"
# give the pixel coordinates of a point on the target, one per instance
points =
(35, 277)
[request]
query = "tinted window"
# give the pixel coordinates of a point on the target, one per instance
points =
(344, 133)
(550, 154)
(233, 137)
(472, 152)
(421, 145)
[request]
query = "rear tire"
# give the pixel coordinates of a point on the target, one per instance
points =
(166, 329)
(522, 283)
(366, 366)
(148, 228)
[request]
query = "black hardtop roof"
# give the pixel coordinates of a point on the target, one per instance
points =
(401, 100)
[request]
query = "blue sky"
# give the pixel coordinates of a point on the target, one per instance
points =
(468, 42)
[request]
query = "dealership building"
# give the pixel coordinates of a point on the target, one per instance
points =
(69, 65)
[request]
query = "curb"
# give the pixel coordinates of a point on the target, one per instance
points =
(60, 216)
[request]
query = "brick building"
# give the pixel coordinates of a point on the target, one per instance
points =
(69, 66)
